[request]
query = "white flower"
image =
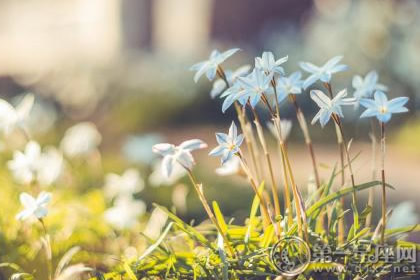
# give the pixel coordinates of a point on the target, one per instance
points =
(209, 67)
(364, 88)
(324, 72)
(158, 178)
(32, 165)
(11, 117)
(80, 139)
(125, 212)
(382, 108)
(34, 207)
(255, 85)
(128, 183)
(231, 167)
(269, 65)
(50, 166)
(24, 165)
(178, 154)
(329, 106)
(229, 144)
(288, 85)
(231, 76)
(285, 128)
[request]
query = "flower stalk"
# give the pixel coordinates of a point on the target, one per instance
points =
(383, 182)
(199, 189)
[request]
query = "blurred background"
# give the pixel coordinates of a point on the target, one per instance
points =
(123, 65)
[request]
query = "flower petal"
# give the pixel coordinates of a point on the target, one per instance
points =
(163, 149)
(193, 144)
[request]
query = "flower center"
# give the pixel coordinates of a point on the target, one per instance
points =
(383, 109)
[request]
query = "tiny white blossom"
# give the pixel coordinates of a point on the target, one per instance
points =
(128, 183)
(229, 144)
(158, 178)
(285, 128)
(50, 166)
(33, 165)
(209, 67)
(255, 85)
(178, 154)
(231, 76)
(125, 212)
(323, 73)
(231, 167)
(269, 65)
(288, 85)
(80, 139)
(34, 207)
(11, 117)
(365, 87)
(24, 165)
(328, 106)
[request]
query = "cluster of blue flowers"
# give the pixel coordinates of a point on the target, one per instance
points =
(268, 80)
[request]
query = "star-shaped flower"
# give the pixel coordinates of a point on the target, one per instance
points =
(178, 154)
(125, 212)
(11, 117)
(233, 94)
(81, 140)
(34, 207)
(269, 65)
(364, 88)
(128, 183)
(288, 85)
(25, 165)
(255, 85)
(209, 67)
(33, 165)
(324, 72)
(229, 144)
(382, 108)
(220, 85)
(329, 106)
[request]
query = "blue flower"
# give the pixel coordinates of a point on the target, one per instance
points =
(209, 67)
(220, 85)
(269, 65)
(289, 85)
(232, 94)
(178, 154)
(364, 88)
(228, 144)
(324, 72)
(382, 108)
(329, 106)
(255, 85)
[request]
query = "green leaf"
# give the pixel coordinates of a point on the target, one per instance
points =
(10, 265)
(129, 271)
(343, 192)
(192, 232)
(313, 209)
(253, 213)
(156, 244)
(219, 217)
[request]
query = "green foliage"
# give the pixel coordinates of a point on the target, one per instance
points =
(196, 252)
